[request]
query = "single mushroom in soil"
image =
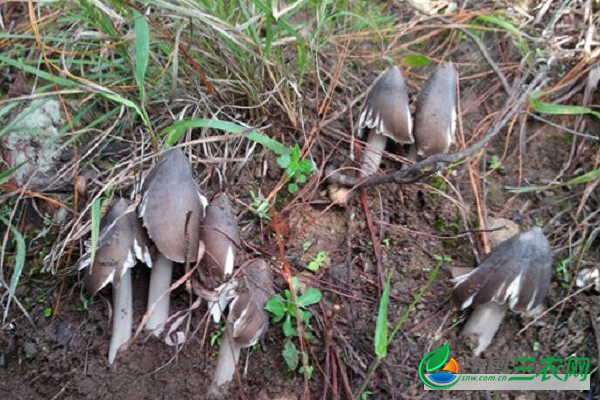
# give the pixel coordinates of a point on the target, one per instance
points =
(516, 274)
(172, 209)
(435, 115)
(122, 239)
(220, 235)
(387, 115)
(247, 320)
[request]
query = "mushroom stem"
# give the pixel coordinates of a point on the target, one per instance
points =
(158, 295)
(229, 354)
(122, 315)
(484, 323)
(373, 153)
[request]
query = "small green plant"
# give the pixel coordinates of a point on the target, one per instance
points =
(495, 164)
(284, 309)
(318, 261)
(215, 338)
(260, 205)
(84, 306)
(562, 271)
(47, 312)
(297, 169)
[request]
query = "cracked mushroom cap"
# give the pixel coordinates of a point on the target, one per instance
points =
(122, 240)
(386, 108)
(435, 118)
(172, 207)
(247, 314)
(516, 272)
(221, 237)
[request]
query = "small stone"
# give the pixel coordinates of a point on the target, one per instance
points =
(29, 350)
(2, 360)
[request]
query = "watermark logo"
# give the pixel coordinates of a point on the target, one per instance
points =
(435, 360)
(439, 371)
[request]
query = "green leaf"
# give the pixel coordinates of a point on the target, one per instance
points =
(311, 296)
(269, 143)
(291, 355)
(437, 358)
(558, 109)
(295, 284)
(275, 306)
(292, 188)
(415, 60)
(95, 227)
(306, 166)
(142, 50)
(301, 178)
(19, 263)
(288, 328)
(175, 131)
(381, 326)
(284, 161)
(47, 312)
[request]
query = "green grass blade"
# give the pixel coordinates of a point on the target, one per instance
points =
(5, 176)
(95, 227)
(558, 109)
(19, 263)
(412, 305)
(127, 103)
(381, 326)
(175, 131)
(269, 143)
(142, 50)
(585, 178)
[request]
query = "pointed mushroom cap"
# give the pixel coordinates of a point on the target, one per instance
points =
(517, 273)
(386, 108)
(435, 118)
(220, 236)
(172, 207)
(121, 240)
(247, 314)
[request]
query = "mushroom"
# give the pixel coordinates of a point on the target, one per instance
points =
(387, 115)
(171, 210)
(220, 236)
(515, 274)
(122, 240)
(435, 118)
(247, 320)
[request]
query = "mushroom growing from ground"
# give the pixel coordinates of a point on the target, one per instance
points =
(435, 118)
(122, 240)
(247, 320)
(387, 115)
(171, 210)
(515, 274)
(220, 236)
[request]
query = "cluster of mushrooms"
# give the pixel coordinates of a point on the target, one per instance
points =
(516, 274)
(175, 223)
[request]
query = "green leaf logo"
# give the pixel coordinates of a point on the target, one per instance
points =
(437, 358)
(432, 361)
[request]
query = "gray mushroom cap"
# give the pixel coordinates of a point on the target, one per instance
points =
(435, 118)
(247, 314)
(386, 108)
(516, 272)
(221, 237)
(172, 207)
(122, 240)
